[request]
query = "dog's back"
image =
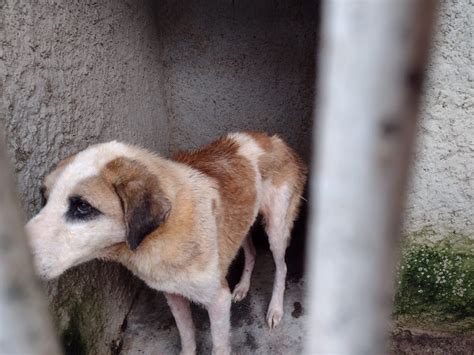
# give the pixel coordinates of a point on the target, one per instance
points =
(255, 173)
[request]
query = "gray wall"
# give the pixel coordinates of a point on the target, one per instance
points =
(89, 73)
(238, 65)
(80, 72)
(442, 192)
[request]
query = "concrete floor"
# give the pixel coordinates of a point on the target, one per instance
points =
(151, 329)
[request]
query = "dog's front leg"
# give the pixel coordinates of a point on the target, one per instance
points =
(219, 315)
(182, 315)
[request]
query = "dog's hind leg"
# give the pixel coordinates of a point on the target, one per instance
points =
(184, 321)
(242, 288)
(279, 211)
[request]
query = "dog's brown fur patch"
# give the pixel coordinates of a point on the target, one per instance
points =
(236, 180)
(173, 240)
(262, 139)
(145, 205)
(280, 162)
(281, 165)
(100, 193)
(284, 166)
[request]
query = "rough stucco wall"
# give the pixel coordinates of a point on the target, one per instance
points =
(80, 72)
(238, 65)
(442, 191)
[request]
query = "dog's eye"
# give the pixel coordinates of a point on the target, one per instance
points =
(80, 209)
(83, 208)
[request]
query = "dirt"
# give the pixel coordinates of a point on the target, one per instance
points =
(422, 341)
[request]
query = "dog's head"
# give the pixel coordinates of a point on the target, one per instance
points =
(98, 198)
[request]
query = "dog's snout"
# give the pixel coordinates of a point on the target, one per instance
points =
(35, 241)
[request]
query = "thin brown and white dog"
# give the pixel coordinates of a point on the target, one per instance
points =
(176, 224)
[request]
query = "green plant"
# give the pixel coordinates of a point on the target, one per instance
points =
(436, 279)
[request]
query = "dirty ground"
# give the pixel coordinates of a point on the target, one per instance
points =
(151, 330)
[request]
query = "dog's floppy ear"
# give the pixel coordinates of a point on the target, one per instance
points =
(145, 206)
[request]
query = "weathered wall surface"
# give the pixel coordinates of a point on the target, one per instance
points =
(238, 65)
(80, 72)
(442, 192)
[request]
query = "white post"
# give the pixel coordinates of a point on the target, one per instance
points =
(25, 325)
(372, 61)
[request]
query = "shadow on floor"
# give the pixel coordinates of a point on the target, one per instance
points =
(151, 329)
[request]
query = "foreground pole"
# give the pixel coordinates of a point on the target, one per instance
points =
(25, 325)
(372, 61)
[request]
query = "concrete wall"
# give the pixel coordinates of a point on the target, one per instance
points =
(442, 192)
(238, 65)
(77, 73)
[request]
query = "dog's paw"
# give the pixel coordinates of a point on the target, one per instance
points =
(221, 350)
(240, 291)
(274, 316)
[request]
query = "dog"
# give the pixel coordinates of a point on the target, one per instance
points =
(177, 224)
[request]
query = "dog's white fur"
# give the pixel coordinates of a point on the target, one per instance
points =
(198, 202)
(58, 245)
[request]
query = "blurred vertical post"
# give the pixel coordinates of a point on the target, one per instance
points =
(372, 62)
(25, 325)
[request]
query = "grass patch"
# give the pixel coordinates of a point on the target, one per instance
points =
(436, 281)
